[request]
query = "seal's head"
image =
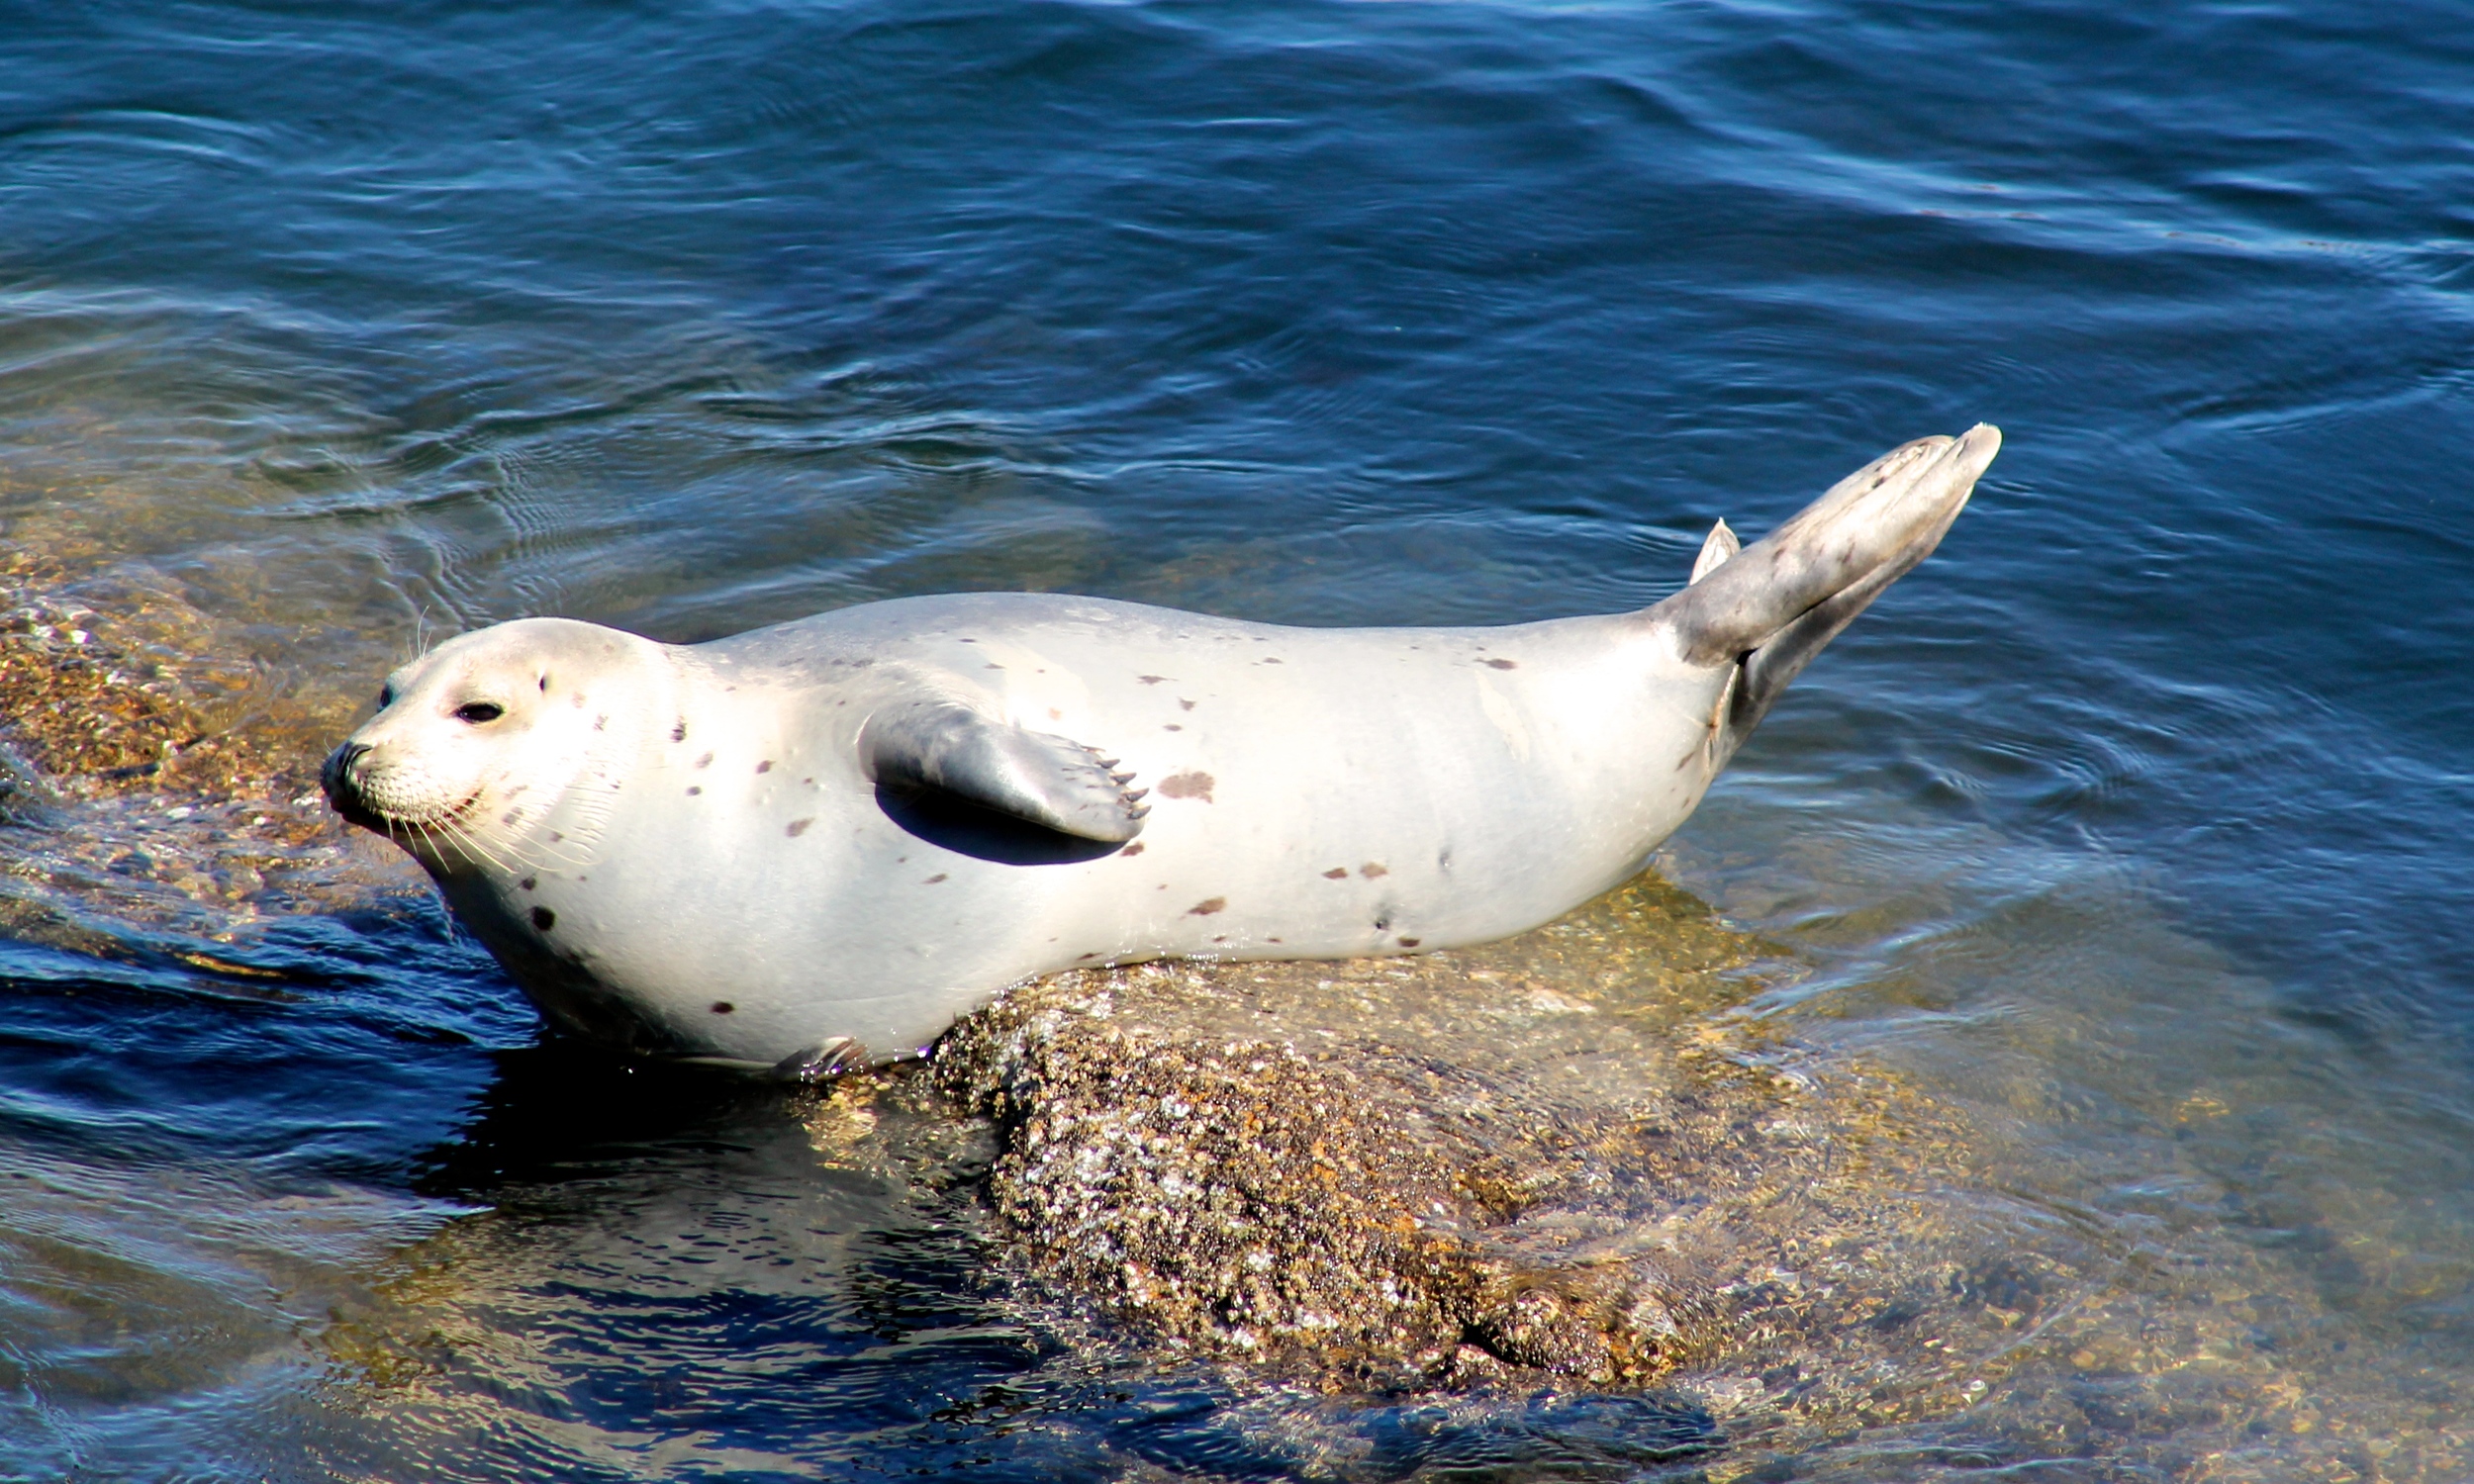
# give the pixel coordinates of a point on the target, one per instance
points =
(478, 743)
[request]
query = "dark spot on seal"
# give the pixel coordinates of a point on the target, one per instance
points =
(544, 919)
(1188, 705)
(1151, 680)
(1383, 924)
(511, 817)
(1411, 942)
(992, 665)
(1443, 859)
(1270, 659)
(706, 761)
(722, 1007)
(797, 827)
(1503, 664)
(545, 684)
(555, 837)
(1135, 849)
(932, 880)
(1187, 786)
(1207, 907)
(1172, 727)
(679, 733)
(1337, 874)
(1374, 868)
(694, 789)
(578, 702)
(529, 882)
(1219, 937)
(601, 723)
(765, 766)
(1080, 957)
(966, 641)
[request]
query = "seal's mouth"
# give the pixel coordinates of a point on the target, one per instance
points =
(345, 795)
(444, 824)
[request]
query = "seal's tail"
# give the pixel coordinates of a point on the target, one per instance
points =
(1773, 605)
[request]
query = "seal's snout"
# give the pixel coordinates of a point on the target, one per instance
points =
(340, 777)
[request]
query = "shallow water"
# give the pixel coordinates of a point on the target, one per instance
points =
(2128, 828)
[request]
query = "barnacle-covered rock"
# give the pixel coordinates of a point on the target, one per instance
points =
(1560, 1156)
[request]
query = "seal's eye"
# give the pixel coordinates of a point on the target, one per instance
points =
(479, 711)
(386, 696)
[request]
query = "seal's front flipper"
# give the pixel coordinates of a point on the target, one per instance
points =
(1037, 778)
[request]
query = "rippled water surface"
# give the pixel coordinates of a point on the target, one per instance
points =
(2130, 828)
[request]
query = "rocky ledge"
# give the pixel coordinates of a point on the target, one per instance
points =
(1558, 1160)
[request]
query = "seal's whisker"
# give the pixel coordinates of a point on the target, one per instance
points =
(533, 852)
(469, 841)
(429, 840)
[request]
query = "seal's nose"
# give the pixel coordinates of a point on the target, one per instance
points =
(338, 774)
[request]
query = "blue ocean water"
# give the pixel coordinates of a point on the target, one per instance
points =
(2152, 786)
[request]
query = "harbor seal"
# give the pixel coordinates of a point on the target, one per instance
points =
(817, 844)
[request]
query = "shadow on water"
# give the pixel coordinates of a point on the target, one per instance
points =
(567, 1109)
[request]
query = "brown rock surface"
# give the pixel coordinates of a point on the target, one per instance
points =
(164, 775)
(1560, 1156)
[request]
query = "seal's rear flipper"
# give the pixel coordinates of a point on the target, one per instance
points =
(1771, 606)
(1037, 778)
(1716, 551)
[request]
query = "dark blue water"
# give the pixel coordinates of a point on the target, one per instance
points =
(2148, 793)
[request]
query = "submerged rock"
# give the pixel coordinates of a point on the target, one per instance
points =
(157, 770)
(1557, 1157)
